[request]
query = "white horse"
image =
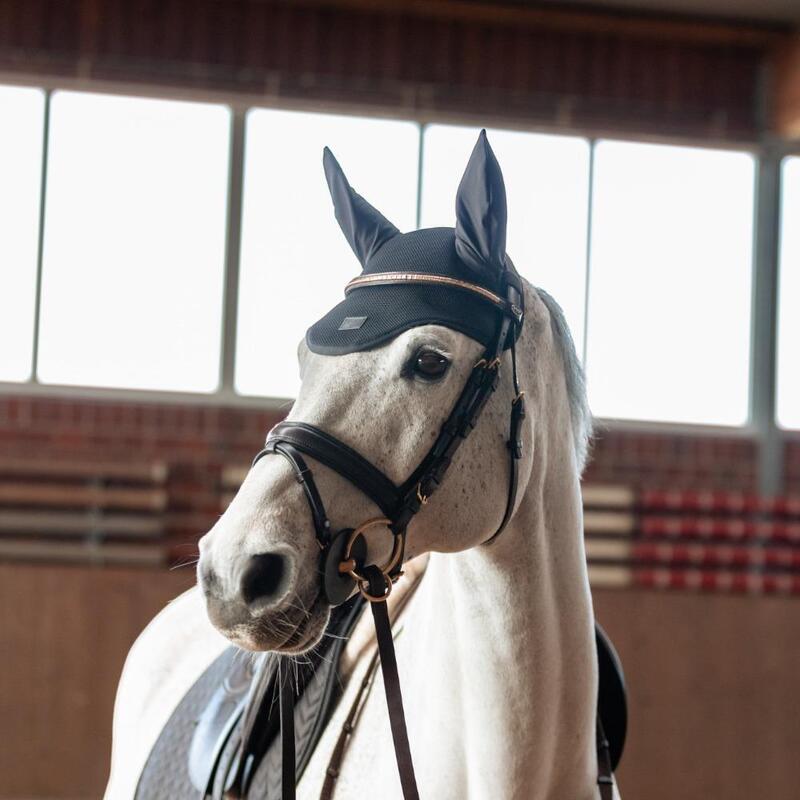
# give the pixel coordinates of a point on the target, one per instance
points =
(496, 655)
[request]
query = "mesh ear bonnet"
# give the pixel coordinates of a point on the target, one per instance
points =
(473, 252)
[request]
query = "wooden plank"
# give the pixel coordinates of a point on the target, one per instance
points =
(786, 81)
(17, 493)
(720, 670)
(713, 693)
(82, 552)
(607, 576)
(608, 549)
(80, 523)
(619, 522)
(703, 581)
(710, 527)
(151, 472)
(597, 495)
(619, 23)
(233, 476)
(66, 630)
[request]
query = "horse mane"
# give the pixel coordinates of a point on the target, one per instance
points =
(574, 376)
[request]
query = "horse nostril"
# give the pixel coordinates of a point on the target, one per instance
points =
(263, 579)
(207, 578)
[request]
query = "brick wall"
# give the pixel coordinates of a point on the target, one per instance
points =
(791, 467)
(671, 461)
(197, 442)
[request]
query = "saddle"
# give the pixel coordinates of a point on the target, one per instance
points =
(222, 741)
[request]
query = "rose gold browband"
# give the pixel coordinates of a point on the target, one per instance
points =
(389, 278)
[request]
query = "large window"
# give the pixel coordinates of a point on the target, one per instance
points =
(670, 277)
(134, 240)
(21, 126)
(547, 183)
(295, 261)
(130, 260)
(788, 396)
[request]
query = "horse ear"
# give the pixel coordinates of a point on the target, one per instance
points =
(481, 212)
(364, 227)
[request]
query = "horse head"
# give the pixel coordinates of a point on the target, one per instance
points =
(383, 375)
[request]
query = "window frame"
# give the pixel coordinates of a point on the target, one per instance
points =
(748, 426)
(782, 157)
(761, 422)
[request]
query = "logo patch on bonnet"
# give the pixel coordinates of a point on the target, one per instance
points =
(352, 323)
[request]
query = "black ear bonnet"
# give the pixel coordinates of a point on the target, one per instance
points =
(473, 252)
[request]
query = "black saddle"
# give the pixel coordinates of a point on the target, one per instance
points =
(222, 740)
(612, 703)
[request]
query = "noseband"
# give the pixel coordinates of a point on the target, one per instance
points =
(343, 554)
(399, 504)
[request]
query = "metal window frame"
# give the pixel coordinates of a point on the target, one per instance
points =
(763, 323)
(762, 424)
(791, 151)
(233, 236)
(37, 302)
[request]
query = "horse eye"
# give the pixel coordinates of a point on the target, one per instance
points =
(430, 365)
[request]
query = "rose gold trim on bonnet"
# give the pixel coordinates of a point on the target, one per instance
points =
(383, 278)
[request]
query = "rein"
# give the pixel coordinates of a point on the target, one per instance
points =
(343, 555)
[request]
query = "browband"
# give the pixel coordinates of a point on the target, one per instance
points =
(388, 278)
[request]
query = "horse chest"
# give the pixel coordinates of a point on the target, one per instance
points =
(369, 764)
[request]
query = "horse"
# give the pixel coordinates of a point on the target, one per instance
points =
(494, 632)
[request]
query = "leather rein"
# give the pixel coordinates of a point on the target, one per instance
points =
(343, 554)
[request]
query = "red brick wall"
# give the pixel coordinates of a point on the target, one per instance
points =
(196, 442)
(672, 461)
(791, 467)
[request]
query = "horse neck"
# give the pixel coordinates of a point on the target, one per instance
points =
(500, 644)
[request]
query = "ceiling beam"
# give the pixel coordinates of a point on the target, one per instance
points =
(666, 27)
(786, 82)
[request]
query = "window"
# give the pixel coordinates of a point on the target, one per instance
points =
(134, 239)
(547, 183)
(295, 261)
(788, 389)
(669, 298)
(21, 129)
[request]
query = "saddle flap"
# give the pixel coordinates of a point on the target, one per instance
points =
(218, 719)
(612, 704)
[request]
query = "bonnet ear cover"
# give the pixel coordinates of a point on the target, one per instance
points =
(372, 313)
(481, 213)
(364, 227)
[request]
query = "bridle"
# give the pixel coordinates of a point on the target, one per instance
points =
(344, 553)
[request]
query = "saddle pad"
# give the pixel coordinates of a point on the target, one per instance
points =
(176, 757)
(167, 776)
(166, 773)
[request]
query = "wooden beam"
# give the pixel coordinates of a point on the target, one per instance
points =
(69, 523)
(148, 472)
(151, 555)
(664, 27)
(786, 81)
(32, 494)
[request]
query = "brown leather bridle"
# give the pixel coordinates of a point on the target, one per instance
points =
(343, 555)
